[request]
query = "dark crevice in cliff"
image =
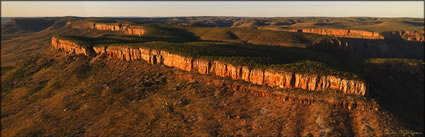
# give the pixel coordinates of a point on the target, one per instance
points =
(240, 72)
(209, 67)
(154, 59)
(292, 82)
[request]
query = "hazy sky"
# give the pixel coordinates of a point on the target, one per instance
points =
(211, 8)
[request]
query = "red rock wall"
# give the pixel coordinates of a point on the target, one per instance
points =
(69, 47)
(396, 67)
(418, 36)
(123, 28)
(377, 48)
(349, 103)
(203, 66)
(174, 60)
(406, 35)
(342, 33)
(269, 77)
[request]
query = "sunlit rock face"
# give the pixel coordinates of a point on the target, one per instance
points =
(406, 35)
(342, 33)
(70, 47)
(123, 28)
(418, 36)
(358, 46)
(269, 77)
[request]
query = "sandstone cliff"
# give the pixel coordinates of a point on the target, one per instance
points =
(351, 102)
(418, 36)
(11, 21)
(342, 33)
(70, 47)
(123, 28)
(414, 69)
(375, 48)
(269, 77)
(406, 35)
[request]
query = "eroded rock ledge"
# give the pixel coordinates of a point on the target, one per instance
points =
(412, 68)
(350, 103)
(342, 33)
(269, 77)
(418, 36)
(70, 47)
(406, 35)
(123, 28)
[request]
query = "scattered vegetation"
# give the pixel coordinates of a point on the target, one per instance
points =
(308, 66)
(255, 36)
(394, 60)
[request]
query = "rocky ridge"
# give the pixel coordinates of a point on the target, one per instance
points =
(269, 77)
(361, 46)
(123, 28)
(349, 103)
(406, 35)
(342, 33)
(70, 47)
(418, 36)
(414, 69)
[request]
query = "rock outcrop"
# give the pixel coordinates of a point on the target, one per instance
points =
(332, 44)
(364, 47)
(414, 69)
(269, 77)
(127, 29)
(70, 47)
(12, 21)
(340, 102)
(371, 47)
(346, 33)
(405, 35)
(418, 36)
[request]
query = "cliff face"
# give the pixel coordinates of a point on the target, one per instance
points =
(11, 21)
(411, 69)
(342, 33)
(269, 77)
(238, 86)
(406, 35)
(405, 68)
(332, 44)
(123, 28)
(345, 33)
(70, 47)
(418, 36)
(374, 48)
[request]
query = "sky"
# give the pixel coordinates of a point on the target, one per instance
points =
(214, 8)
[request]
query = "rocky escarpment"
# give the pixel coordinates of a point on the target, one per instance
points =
(350, 102)
(375, 48)
(403, 68)
(269, 77)
(342, 33)
(123, 28)
(71, 47)
(371, 48)
(406, 35)
(418, 36)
